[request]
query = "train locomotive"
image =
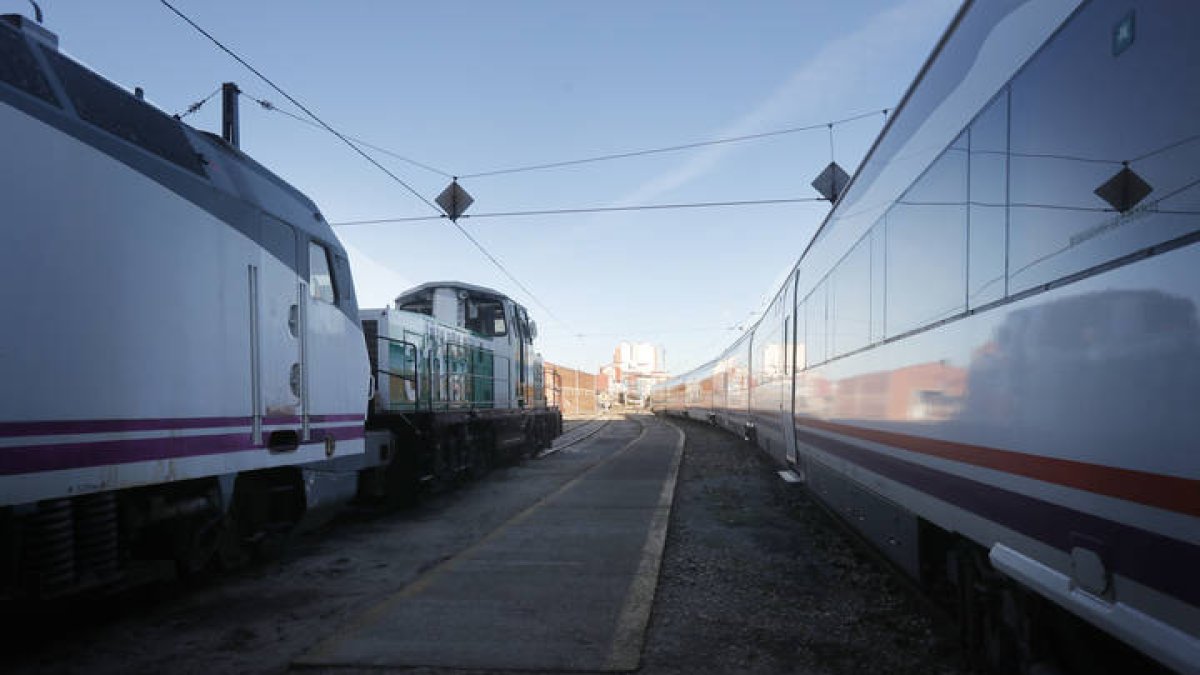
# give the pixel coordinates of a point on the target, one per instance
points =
(987, 359)
(459, 387)
(185, 372)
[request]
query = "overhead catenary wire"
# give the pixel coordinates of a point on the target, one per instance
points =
(267, 105)
(360, 151)
(508, 274)
(197, 105)
(297, 103)
(271, 107)
(591, 209)
(672, 148)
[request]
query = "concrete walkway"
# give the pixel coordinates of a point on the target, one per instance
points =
(567, 584)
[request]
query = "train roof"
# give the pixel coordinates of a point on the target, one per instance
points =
(79, 102)
(459, 285)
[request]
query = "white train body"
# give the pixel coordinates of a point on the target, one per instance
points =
(459, 385)
(172, 310)
(981, 346)
(449, 346)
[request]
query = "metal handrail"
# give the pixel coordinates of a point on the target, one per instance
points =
(427, 399)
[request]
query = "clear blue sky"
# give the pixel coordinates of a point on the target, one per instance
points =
(472, 86)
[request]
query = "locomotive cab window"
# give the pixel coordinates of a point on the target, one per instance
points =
(320, 280)
(342, 281)
(486, 317)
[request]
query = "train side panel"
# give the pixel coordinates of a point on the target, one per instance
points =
(132, 363)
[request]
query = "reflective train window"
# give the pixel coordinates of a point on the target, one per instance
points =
(19, 68)
(119, 113)
(814, 321)
(989, 204)
(926, 246)
(320, 280)
(850, 300)
(1080, 115)
(799, 346)
(485, 316)
(878, 237)
(342, 282)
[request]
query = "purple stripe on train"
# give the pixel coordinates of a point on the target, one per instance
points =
(1160, 562)
(64, 427)
(32, 458)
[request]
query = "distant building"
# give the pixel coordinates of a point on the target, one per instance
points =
(640, 357)
(635, 369)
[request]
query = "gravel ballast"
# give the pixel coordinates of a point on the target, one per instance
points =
(757, 578)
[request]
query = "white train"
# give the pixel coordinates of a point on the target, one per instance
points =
(183, 367)
(987, 360)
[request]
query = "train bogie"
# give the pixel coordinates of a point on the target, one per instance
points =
(457, 377)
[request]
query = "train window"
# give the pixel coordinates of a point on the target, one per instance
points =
(20, 69)
(814, 320)
(787, 345)
(799, 338)
(499, 326)
(1079, 115)
(342, 281)
(850, 300)
(320, 280)
(118, 112)
(988, 234)
(485, 317)
(421, 303)
(926, 246)
(402, 375)
(878, 278)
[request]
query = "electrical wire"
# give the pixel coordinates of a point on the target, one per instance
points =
(197, 105)
(366, 156)
(271, 107)
(267, 105)
(673, 148)
(596, 209)
(508, 274)
(298, 104)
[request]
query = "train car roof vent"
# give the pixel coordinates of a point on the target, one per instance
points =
(32, 29)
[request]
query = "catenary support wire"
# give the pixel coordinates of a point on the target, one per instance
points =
(596, 209)
(296, 103)
(360, 151)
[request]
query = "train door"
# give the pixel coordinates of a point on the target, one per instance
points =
(521, 331)
(276, 334)
(334, 378)
(502, 340)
